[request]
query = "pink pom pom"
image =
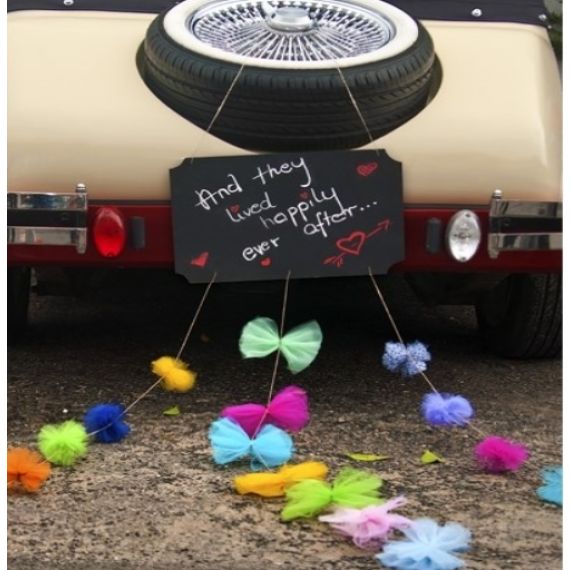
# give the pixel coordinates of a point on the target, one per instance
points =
(498, 455)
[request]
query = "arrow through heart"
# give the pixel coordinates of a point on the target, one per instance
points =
(352, 244)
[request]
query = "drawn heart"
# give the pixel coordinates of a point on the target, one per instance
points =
(367, 169)
(352, 244)
(201, 260)
(234, 209)
(265, 262)
(304, 195)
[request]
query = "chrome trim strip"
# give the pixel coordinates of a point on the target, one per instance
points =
(520, 209)
(516, 241)
(523, 242)
(76, 237)
(47, 201)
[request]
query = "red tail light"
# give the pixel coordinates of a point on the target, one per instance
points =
(109, 232)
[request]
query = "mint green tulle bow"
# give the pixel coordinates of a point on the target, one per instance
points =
(300, 346)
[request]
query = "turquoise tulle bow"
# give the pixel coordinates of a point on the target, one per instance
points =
(270, 448)
(300, 346)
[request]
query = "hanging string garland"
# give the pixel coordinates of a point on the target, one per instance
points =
(493, 454)
(259, 432)
(65, 443)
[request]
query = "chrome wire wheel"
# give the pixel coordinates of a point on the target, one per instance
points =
(264, 74)
(292, 33)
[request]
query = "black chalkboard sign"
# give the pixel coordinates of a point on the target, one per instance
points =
(318, 214)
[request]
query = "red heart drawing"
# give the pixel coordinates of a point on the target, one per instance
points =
(352, 244)
(304, 195)
(201, 260)
(265, 262)
(234, 209)
(367, 169)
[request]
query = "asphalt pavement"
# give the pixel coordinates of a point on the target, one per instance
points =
(157, 500)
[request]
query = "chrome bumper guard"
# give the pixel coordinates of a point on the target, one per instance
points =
(45, 218)
(516, 225)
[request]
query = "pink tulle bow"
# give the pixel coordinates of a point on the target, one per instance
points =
(368, 527)
(288, 410)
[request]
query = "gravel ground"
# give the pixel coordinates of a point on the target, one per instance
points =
(157, 500)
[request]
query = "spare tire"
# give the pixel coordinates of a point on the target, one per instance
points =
(284, 57)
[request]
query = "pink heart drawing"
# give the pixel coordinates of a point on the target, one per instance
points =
(367, 169)
(352, 244)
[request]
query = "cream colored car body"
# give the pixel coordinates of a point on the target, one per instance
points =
(78, 111)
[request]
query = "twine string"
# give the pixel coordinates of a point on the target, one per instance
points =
(180, 351)
(355, 105)
(190, 328)
(217, 113)
(396, 330)
(277, 354)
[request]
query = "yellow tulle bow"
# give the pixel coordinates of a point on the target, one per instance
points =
(270, 484)
(176, 377)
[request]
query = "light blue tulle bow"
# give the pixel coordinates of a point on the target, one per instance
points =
(551, 491)
(270, 448)
(428, 546)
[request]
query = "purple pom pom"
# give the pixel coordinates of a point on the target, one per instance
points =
(446, 410)
(107, 421)
(498, 455)
(407, 359)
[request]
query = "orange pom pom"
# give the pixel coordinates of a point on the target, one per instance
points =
(27, 470)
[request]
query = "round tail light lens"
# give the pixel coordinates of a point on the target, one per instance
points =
(463, 235)
(109, 232)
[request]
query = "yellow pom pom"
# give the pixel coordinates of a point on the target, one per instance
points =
(176, 377)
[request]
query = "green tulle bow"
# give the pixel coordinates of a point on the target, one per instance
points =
(351, 488)
(300, 346)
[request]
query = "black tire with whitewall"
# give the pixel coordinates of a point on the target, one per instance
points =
(18, 283)
(275, 108)
(522, 316)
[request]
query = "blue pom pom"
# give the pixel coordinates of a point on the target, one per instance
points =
(109, 419)
(551, 491)
(428, 547)
(446, 410)
(407, 359)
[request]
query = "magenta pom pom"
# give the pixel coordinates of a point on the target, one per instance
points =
(498, 455)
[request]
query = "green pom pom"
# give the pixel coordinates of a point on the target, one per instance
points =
(63, 444)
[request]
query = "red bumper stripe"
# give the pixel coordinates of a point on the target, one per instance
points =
(158, 251)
